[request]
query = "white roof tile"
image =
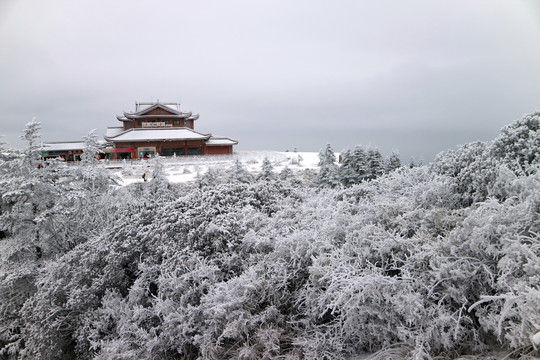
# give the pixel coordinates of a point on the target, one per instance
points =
(113, 131)
(65, 146)
(220, 141)
(158, 134)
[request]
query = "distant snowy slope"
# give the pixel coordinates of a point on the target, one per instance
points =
(184, 169)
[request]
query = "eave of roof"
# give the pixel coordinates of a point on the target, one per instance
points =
(220, 141)
(113, 131)
(66, 145)
(171, 116)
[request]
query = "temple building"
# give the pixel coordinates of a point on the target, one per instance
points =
(69, 151)
(161, 128)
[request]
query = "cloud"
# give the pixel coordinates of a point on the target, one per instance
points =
(275, 74)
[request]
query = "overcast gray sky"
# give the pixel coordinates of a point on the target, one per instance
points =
(421, 76)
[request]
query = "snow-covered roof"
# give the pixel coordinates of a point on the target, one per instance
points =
(113, 131)
(141, 110)
(158, 135)
(139, 106)
(65, 146)
(220, 141)
(173, 109)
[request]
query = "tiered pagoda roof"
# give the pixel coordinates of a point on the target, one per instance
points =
(142, 110)
(132, 131)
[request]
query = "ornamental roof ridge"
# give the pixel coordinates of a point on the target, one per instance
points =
(155, 106)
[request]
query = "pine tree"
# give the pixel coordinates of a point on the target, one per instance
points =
(347, 171)
(92, 148)
(158, 174)
(375, 164)
(360, 162)
(90, 171)
(328, 173)
(286, 173)
(327, 156)
(32, 151)
(238, 173)
(393, 162)
(267, 171)
(211, 177)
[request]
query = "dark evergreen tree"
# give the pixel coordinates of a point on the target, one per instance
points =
(393, 162)
(347, 171)
(375, 163)
(361, 165)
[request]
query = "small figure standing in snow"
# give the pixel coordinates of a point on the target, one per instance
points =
(144, 177)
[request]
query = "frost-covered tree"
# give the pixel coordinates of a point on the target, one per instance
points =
(286, 173)
(327, 156)
(267, 171)
(475, 166)
(32, 152)
(91, 173)
(375, 164)
(91, 150)
(393, 162)
(518, 145)
(159, 186)
(360, 162)
(158, 173)
(354, 168)
(328, 169)
(211, 177)
(398, 266)
(296, 159)
(238, 173)
(347, 172)
(26, 190)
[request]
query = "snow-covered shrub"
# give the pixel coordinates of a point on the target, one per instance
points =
(472, 168)
(475, 166)
(518, 145)
(427, 262)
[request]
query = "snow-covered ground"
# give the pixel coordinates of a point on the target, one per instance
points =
(184, 169)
